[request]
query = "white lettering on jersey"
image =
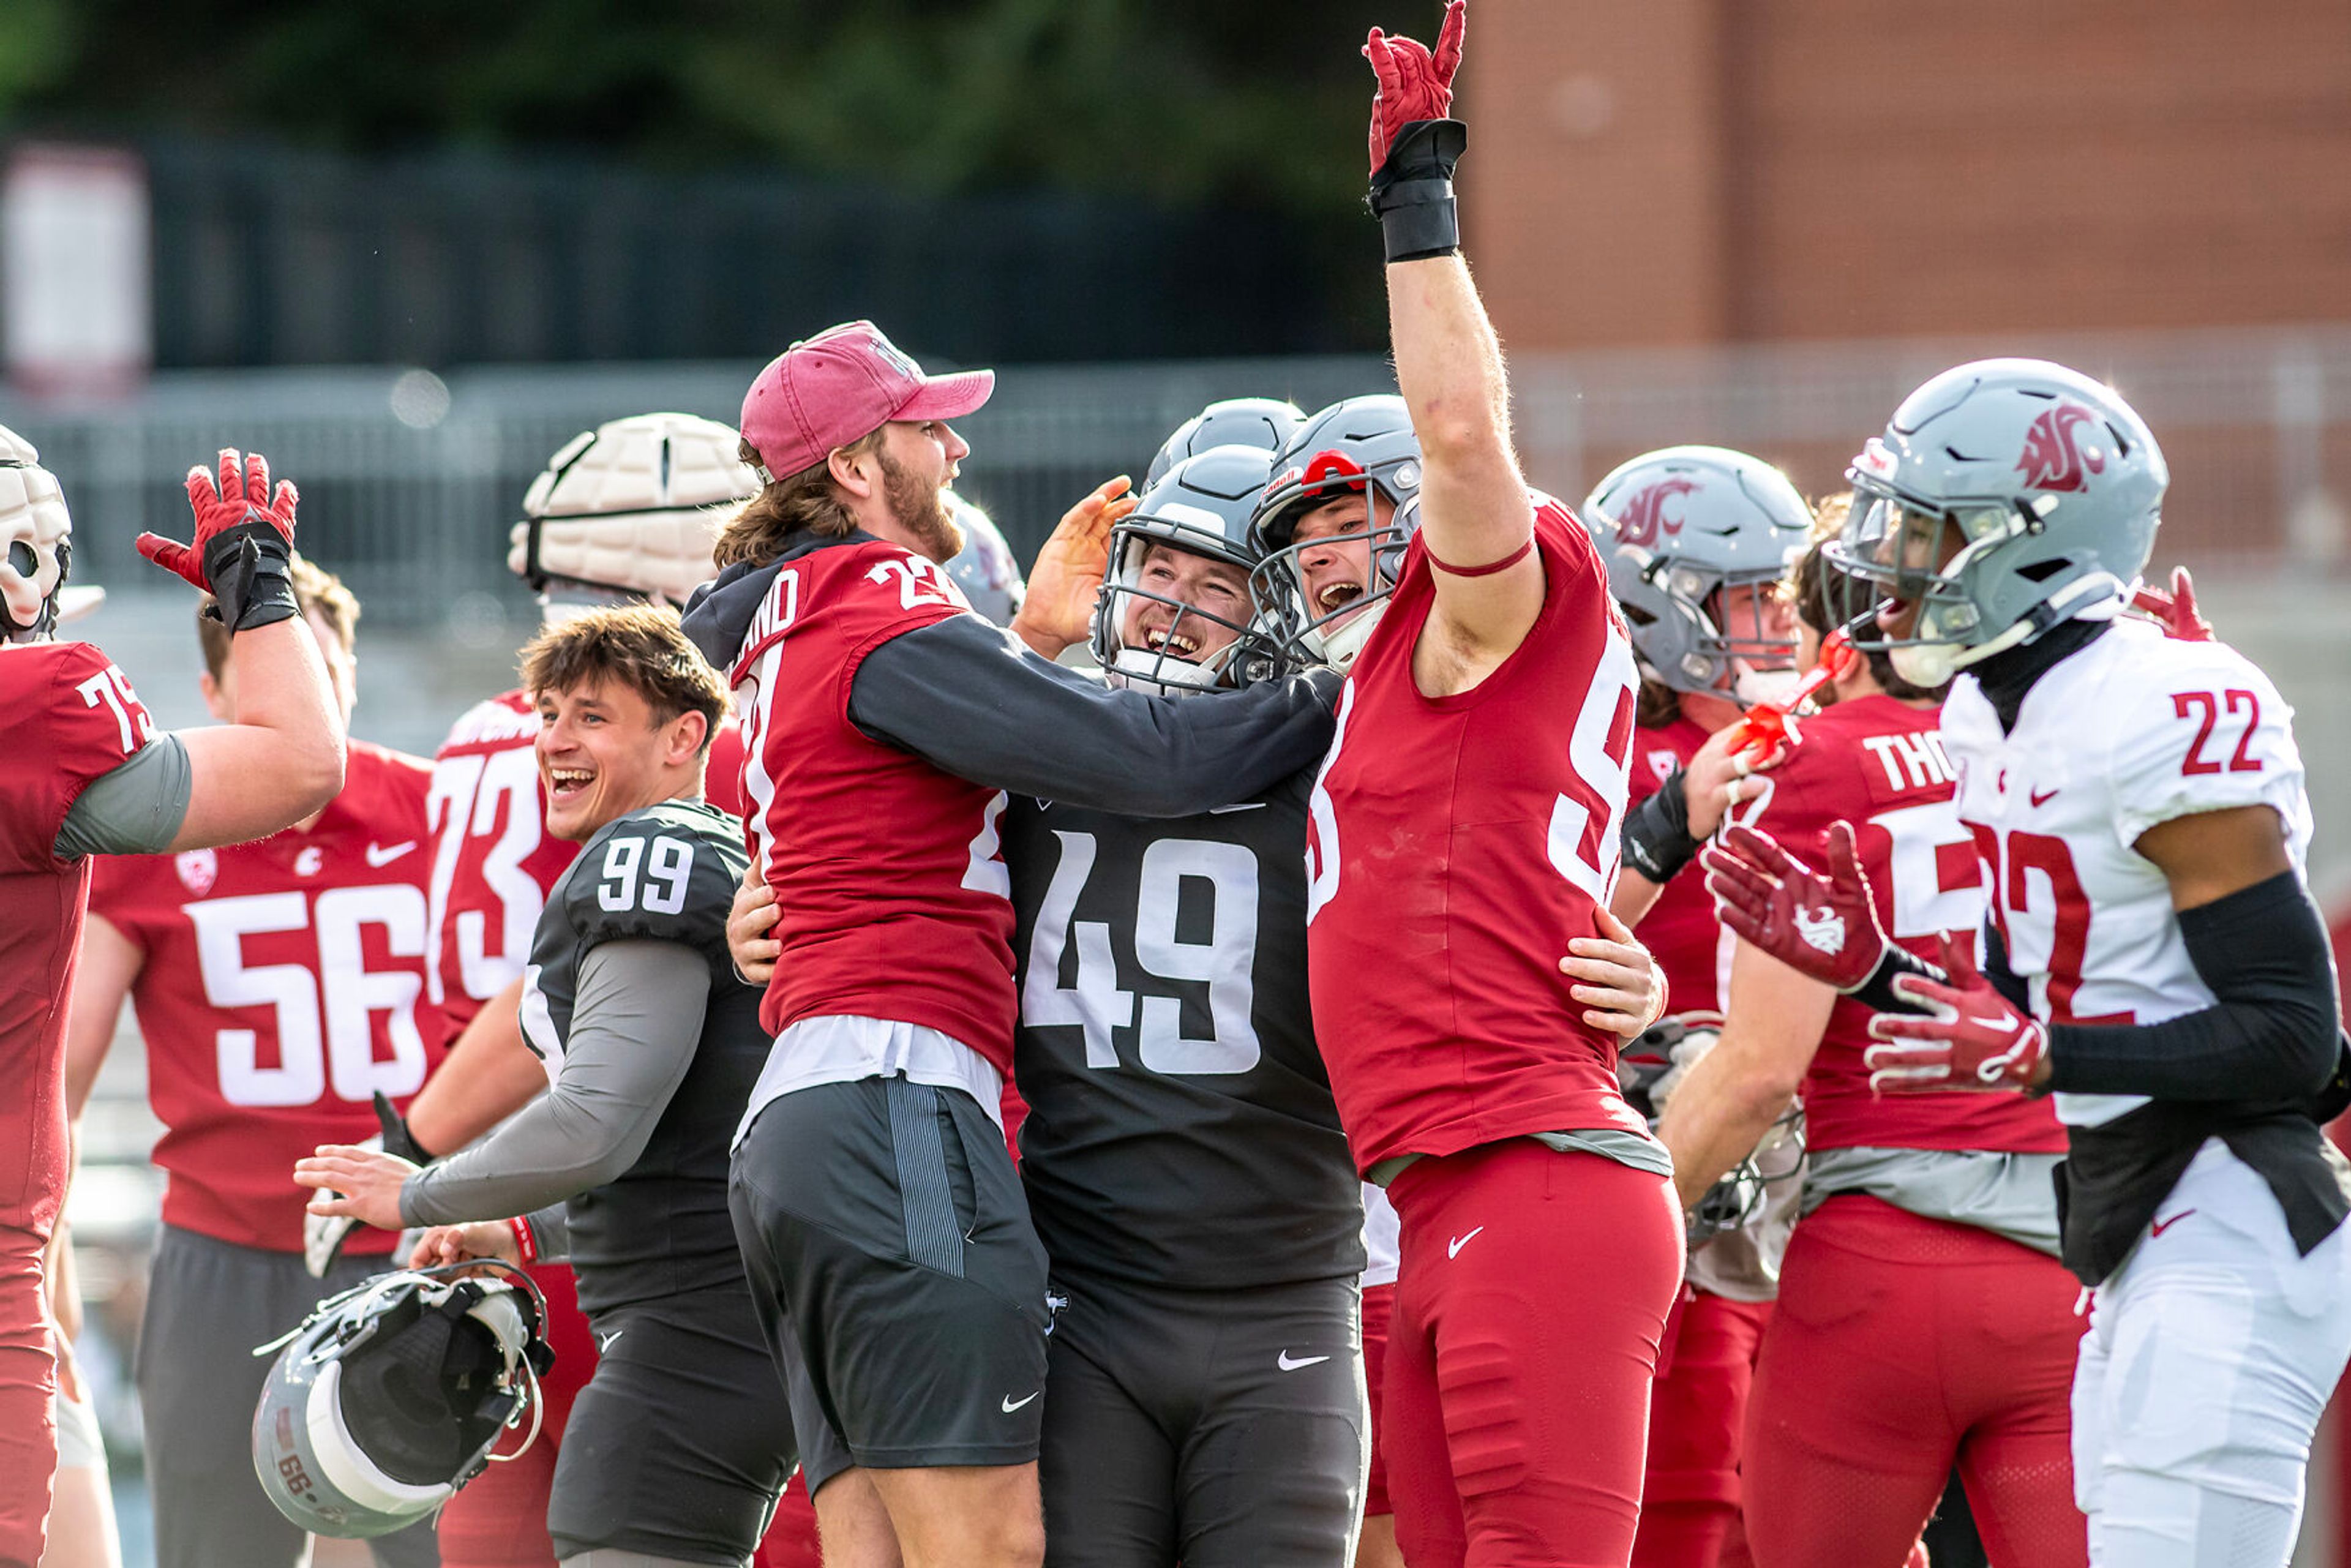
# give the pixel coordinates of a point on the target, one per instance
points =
(468, 795)
(1913, 760)
(110, 688)
(1322, 818)
(351, 993)
(921, 583)
(1585, 844)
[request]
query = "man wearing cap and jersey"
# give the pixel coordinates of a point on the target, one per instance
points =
(882, 1225)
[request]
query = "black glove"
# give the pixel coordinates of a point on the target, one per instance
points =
(1412, 192)
(397, 1138)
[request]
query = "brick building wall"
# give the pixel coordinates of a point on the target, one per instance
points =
(1704, 171)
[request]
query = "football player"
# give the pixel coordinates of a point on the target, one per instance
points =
(626, 513)
(872, 697)
(680, 1442)
(2152, 957)
(280, 987)
(1464, 832)
(1182, 1157)
(1928, 1218)
(88, 774)
(1697, 540)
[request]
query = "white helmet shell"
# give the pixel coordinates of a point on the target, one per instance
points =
(36, 542)
(634, 506)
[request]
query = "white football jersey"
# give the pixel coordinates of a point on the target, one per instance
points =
(2133, 730)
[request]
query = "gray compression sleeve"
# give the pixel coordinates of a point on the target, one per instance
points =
(633, 1031)
(972, 701)
(550, 1232)
(136, 810)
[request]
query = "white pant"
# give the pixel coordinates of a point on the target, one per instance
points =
(2210, 1356)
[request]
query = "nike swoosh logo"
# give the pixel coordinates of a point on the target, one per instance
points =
(1011, 1403)
(1236, 806)
(2041, 797)
(2160, 1225)
(604, 1341)
(1283, 1361)
(1453, 1247)
(384, 854)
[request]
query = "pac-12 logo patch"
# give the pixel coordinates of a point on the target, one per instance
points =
(1643, 516)
(198, 868)
(2052, 459)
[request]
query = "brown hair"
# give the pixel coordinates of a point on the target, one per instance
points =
(805, 500)
(315, 589)
(639, 645)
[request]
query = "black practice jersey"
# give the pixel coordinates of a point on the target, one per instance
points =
(666, 874)
(1180, 1129)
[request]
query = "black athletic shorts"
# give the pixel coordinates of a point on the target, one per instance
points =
(681, 1441)
(1223, 1429)
(898, 1279)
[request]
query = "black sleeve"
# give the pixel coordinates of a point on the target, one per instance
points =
(2004, 979)
(2272, 1034)
(972, 701)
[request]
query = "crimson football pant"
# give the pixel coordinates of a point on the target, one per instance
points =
(1533, 1292)
(1901, 1345)
(1698, 1409)
(1379, 1311)
(29, 1434)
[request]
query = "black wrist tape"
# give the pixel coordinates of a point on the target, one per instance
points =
(251, 569)
(1877, 993)
(1412, 194)
(1655, 838)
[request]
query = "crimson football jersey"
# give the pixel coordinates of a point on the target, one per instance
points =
(1456, 845)
(894, 898)
(71, 718)
(722, 776)
(1680, 930)
(282, 984)
(493, 858)
(1879, 764)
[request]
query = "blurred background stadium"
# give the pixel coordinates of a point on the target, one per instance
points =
(409, 247)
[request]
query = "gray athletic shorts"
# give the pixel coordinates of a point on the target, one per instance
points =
(898, 1279)
(680, 1443)
(1226, 1429)
(208, 1304)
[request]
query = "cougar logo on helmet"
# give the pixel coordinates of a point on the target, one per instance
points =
(2052, 459)
(1643, 516)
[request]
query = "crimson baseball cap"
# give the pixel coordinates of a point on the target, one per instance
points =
(840, 386)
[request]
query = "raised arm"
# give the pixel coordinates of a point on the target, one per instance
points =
(1475, 517)
(966, 697)
(283, 759)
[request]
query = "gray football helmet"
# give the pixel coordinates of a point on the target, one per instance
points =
(388, 1398)
(1360, 444)
(984, 568)
(1261, 422)
(2045, 486)
(1650, 1067)
(35, 544)
(1681, 529)
(1202, 506)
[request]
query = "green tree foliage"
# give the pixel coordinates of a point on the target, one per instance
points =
(1242, 101)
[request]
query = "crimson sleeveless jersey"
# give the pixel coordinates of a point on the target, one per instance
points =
(1680, 930)
(493, 858)
(1456, 844)
(894, 897)
(282, 984)
(1879, 765)
(72, 717)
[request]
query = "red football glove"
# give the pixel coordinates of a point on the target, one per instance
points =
(1972, 1038)
(240, 496)
(2175, 609)
(1413, 83)
(1824, 927)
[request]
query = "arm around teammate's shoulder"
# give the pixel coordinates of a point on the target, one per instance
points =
(970, 701)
